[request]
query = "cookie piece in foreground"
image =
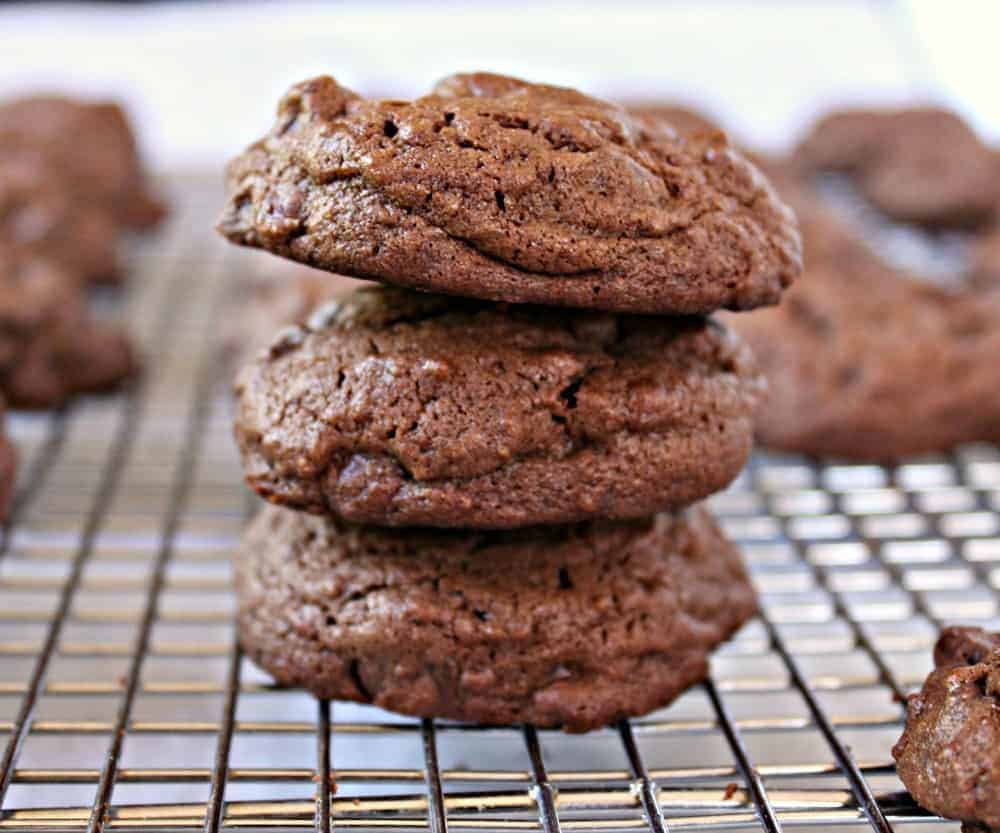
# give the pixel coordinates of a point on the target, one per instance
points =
(557, 626)
(89, 149)
(496, 188)
(949, 754)
(921, 165)
(50, 347)
(866, 362)
(402, 408)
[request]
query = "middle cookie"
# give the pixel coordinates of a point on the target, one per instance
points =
(398, 408)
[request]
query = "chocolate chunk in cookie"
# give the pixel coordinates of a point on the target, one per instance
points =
(401, 408)
(90, 152)
(573, 626)
(921, 165)
(949, 754)
(495, 188)
(50, 347)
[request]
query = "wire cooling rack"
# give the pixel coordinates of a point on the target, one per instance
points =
(125, 704)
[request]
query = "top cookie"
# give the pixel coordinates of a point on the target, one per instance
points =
(495, 188)
(921, 165)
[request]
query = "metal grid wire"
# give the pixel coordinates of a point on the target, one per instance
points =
(124, 702)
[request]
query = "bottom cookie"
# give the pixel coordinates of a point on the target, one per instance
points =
(575, 626)
(949, 754)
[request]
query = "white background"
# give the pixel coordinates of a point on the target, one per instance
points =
(203, 78)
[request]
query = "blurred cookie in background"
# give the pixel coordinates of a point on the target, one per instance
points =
(865, 361)
(90, 151)
(921, 165)
(50, 346)
(38, 217)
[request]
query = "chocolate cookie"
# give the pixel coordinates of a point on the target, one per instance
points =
(50, 347)
(949, 754)
(89, 150)
(402, 408)
(38, 218)
(8, 469)
(495, 188)
(557, 626)
(920, 165)
(866, 362)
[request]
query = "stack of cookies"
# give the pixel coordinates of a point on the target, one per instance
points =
(487, 500)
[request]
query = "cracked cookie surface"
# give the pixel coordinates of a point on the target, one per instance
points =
(403, 408)
(573, 626)
(496, 188)
(949, 754)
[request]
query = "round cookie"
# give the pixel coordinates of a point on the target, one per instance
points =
(866, 362)
(495, 188)
(921, 165)
(401, 408)
(573, 626)
(50, 347)
(949, 754)
(89, 149)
